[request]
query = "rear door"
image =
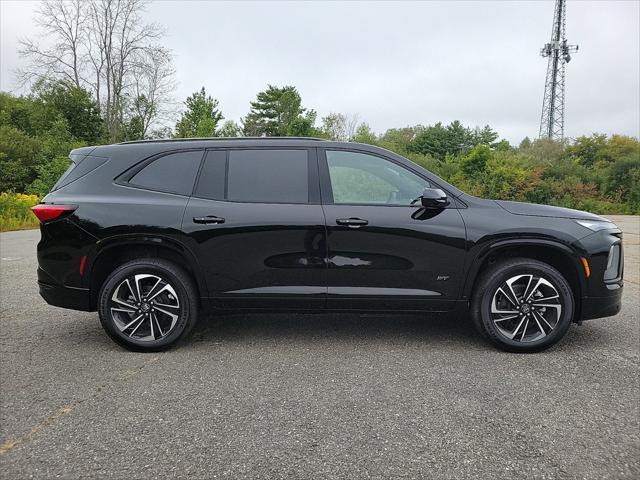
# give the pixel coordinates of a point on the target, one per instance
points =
(257, 228)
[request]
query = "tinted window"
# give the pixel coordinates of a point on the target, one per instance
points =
(78, 169)
(362, 178)
(213, 176)
(173, 173)
(268, 176)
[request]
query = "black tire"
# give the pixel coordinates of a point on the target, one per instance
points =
(178, 314)
(495, 326)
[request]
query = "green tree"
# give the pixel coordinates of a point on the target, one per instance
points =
(597, 173)
(201, 117)
(525, 143)
(544, 150)
(587, 149)
(503, 176)
(460, 138)
(339, 127)
(142, 111)
(75, 104)
(364, 134)
(401, 138)
(621, 146)
(484, 136)
(33, 133)
(48, 175)
(502, 146)
(230, 129)
(334, 127)
(454, 139)
(133, 129)
(620, 179)
(19, 156)
(303, 125)
(476, 162)
(25, 113)
(54, 156)
(439, 140)
(277, 112)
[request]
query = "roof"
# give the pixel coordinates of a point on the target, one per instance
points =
(226, 139)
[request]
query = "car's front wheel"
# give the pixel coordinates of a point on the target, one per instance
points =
(148, 304)
(522, 305)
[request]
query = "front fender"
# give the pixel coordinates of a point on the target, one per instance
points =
(481, 252)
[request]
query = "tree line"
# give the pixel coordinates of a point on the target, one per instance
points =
(106, 78)
(599, 173)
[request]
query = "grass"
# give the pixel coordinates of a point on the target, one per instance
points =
(15, 211)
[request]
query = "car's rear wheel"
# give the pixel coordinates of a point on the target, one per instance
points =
(522, 305)
(148, 305)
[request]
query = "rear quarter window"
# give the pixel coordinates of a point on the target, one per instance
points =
(173, 173)
(78, 168)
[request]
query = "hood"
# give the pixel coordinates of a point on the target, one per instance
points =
(535, 210)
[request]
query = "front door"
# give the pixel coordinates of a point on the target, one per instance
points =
(257, 228)
(384, 253)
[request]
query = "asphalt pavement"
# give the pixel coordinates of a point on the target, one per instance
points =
(312, 396)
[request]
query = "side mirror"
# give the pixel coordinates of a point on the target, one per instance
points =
(434, 198)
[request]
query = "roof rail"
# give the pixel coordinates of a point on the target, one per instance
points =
(200, 139)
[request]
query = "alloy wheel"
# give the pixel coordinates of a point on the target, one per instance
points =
(144, 307)
(526, 308)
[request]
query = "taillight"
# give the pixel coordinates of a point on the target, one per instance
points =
(46, 213)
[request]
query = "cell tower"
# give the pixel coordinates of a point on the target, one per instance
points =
(552, 120)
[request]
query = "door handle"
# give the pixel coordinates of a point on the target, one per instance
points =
(208, 219)
(352, 222)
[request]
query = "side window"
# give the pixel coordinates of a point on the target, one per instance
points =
(213, 176)
(362, 178)
(80, 169)
(173, 173)
(268, 176)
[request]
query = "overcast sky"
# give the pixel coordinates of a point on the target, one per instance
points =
(397, 64)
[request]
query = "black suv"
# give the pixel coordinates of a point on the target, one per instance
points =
(152, 233)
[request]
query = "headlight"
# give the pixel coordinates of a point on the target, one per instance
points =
(597, 225)
(613, 263)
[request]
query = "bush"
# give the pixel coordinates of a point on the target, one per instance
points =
(15, 211)
(48, 175)
(599, 174)
(19, 156)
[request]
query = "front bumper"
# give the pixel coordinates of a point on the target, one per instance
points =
(598, 307)
(602, 295)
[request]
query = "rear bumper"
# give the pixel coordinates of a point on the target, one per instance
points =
(599, 307)
(61, 296)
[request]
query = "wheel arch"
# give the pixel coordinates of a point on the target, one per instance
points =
(556, 254)
(114, 252)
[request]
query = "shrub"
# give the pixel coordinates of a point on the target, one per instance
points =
(15, 211)
(48, 175)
